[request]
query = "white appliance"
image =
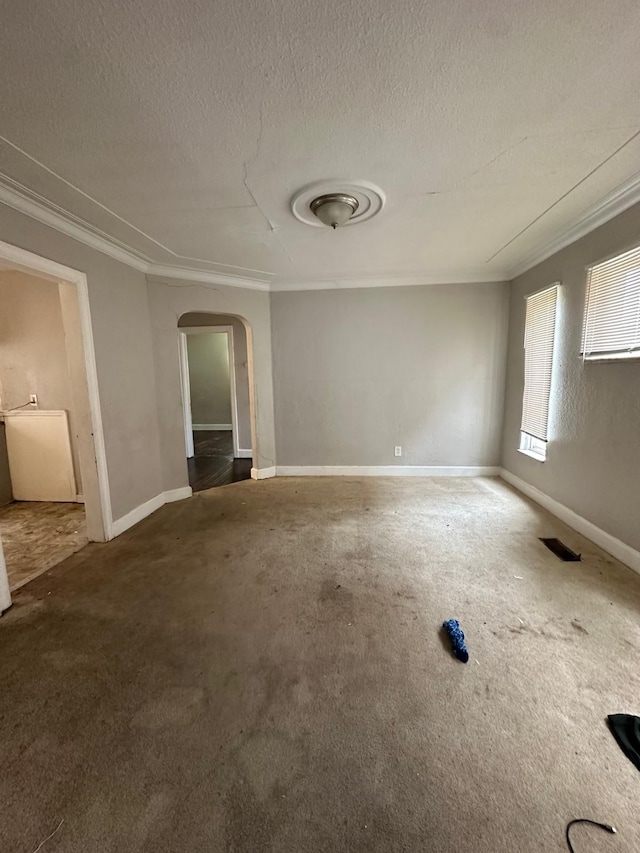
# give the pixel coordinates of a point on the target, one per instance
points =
(40, 459)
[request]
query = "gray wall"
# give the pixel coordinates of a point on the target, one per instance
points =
(168, 302)
(33, 353)
(593, 455)
(209, 379)
(124, 357)
(357, 372)
(241, 359)
(33, 358)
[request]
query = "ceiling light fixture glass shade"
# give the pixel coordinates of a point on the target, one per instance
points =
(334, 209)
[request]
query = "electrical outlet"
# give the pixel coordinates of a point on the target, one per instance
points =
(398, 450)
(33, 398)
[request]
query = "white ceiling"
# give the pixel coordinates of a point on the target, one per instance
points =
(182, 128)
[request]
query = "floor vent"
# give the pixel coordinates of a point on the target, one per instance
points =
(561, 550)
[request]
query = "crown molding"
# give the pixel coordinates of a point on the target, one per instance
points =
(206, 277)
(71, 227)
(399, 280)
(78, 230)
(616, 202)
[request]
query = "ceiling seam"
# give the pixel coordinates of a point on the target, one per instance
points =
(564, 195)
(123, 220)
(616, 202)
(57, 210)
(73, 227)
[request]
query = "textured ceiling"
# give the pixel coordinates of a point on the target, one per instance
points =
(182, 128)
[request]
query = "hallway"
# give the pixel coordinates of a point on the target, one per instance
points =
(213, 464)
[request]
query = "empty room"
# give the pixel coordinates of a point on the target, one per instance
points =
(319, 418)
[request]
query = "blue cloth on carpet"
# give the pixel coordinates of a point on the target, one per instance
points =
(456, 635)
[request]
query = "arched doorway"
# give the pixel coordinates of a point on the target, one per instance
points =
(215, 369)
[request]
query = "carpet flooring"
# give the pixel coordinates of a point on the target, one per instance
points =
(260, 668)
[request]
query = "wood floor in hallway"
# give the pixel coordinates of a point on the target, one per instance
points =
(213, 463)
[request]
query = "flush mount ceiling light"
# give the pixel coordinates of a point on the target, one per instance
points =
(337, 203)
(334, 209)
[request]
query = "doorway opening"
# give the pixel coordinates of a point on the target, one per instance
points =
(52, 495)
(216, 399)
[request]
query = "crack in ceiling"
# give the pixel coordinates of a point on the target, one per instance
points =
(247, 166)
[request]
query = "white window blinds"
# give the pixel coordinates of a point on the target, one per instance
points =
(539, 334)
(612, 309)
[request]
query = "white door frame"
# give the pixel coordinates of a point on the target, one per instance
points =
(183, 331)
(5, 594)
(30, 262)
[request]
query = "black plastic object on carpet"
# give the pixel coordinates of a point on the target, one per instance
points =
(561, 550)
(626, 730)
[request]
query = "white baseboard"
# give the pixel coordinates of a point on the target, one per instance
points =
(263, 473)
(178, 494)
(5, 593)
(244, 454)
(126, 521)
(131, 518)
(198, 427)
(618, 549)
(385, 471)
(79, 499)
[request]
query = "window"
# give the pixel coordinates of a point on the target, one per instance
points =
(533, 446)
(539, 334)
(612, 309)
